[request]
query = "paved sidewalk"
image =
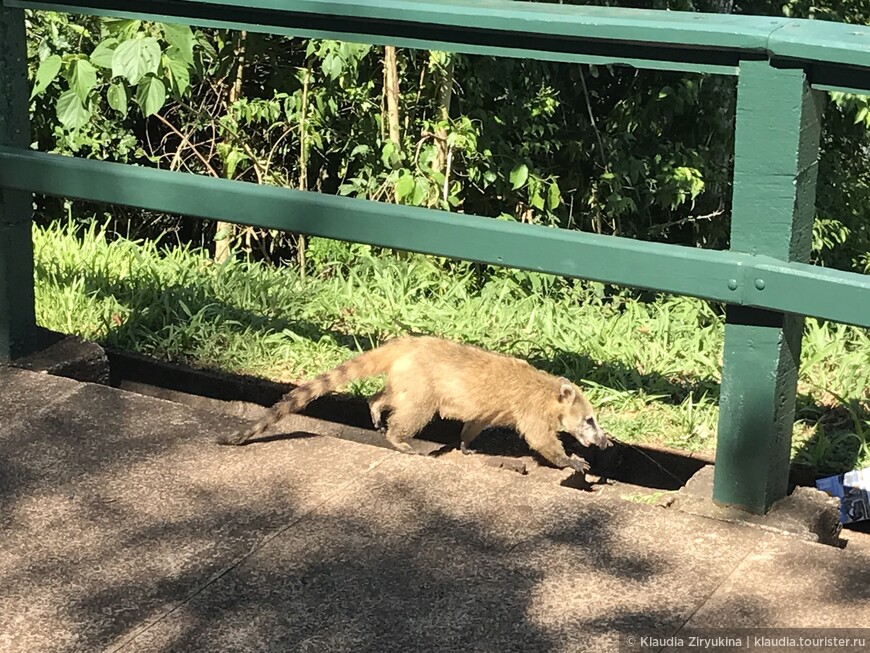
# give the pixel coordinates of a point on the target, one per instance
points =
(125, 529)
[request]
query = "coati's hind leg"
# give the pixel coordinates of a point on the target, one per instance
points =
(549, 446)
(378, 403)
(470, 431)
(406, 421)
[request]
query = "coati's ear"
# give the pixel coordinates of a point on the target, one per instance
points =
(566, 391)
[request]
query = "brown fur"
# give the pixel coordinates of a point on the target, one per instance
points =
(427, 375)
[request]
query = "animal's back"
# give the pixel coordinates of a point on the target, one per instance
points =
(469, 383)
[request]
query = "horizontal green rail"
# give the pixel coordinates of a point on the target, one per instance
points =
(735, 278)
(649, 39)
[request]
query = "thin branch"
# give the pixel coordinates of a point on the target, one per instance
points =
(592, 118)
(187, 142)
(659, 228)
(447, 167)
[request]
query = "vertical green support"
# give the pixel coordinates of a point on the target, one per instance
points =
(775, 167)
(17, 319)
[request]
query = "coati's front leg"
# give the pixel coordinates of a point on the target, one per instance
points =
(470, 431)
(548, 445)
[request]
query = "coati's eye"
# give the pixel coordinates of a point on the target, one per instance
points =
(590, 421)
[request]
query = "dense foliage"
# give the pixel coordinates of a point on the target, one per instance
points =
(614, 150)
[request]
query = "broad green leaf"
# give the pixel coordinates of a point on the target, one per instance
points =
(181, 37)
(332, 65)
(150, 95)
(44, 51)
(437, 176)
(136, 58)
(404, 185)
(554, 197)
(235, 157)
(206, 45)
(177, 70)
(125, 27)
(389, 156)
(117, 97)
(103, 53)
(46, 74)
(421, 191)
(82, 78)
(224, 233)
(519, 176)
(71, 112)
(231, 157)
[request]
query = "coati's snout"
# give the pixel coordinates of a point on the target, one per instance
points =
(593, 435)
(577, 418)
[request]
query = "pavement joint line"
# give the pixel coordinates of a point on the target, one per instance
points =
(238, 561)
(751, 550)
(532, 537)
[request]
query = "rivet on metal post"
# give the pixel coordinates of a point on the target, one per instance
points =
(759, 284)
(732, 284)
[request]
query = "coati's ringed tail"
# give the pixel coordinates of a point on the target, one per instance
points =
(367, 364)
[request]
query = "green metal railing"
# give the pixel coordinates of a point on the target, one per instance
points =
(765, 279)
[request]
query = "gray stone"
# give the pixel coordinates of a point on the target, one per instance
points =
(806, 513)
(68, 356)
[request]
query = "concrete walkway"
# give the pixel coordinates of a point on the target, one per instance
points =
(125, 529)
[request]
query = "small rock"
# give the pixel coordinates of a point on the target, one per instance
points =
(511, 464)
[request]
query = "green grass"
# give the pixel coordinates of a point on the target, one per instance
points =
(652, 365)
(647, 498)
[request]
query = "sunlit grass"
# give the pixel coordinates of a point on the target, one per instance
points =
(652, 367)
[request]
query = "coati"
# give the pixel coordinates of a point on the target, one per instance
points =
(428, 375)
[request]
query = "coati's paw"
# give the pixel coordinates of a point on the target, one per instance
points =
(578, 464)
(404, 447)
(464, 448)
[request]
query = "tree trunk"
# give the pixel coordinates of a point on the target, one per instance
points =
(445, 96)
(391, 91)
(226, 231)
(724, 87)
(303, 163)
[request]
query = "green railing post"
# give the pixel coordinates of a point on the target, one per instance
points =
(17, 319)
(775, 165)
